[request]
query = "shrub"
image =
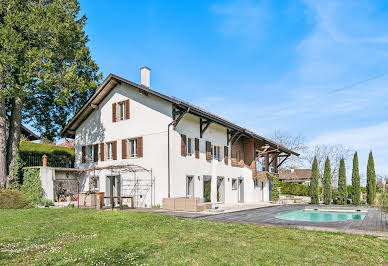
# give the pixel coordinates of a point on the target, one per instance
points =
(371, 180)
(12, 199)
(342, 189)
(275, 187)
(314, 185)
(295, 189)
(356, 190)
(327, 188)
(31, 186)
(43, 202)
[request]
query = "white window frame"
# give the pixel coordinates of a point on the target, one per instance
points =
(216, 152)
(234, 183)
(121, 111)
(132, 148)
(109, 150)
(189, 146)
(188, 185)
(90, 155)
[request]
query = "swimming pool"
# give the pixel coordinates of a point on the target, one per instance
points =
(317, 215)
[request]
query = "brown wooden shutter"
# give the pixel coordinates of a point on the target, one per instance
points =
(83, 156)
(124, 149)
(114, 150)
(95, 153)
(208, 150)
(114, 114)
(183, 145)
(102, 151)
(127, 110)
(196, 148)
(226, 154)
(140, 147)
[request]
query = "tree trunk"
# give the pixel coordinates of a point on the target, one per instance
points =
(15, 125)
(3, 140)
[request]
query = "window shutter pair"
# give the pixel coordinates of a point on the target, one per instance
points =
(197, 148)
(95, 152)
(208, 150)
(124, 152)
(226, 154)
(127, 111)
(183, 145)
(83, 156)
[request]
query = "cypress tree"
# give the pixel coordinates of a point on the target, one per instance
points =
(314, 183)
(356, 189)
(327, 193)
(342, 191)
(371, 180)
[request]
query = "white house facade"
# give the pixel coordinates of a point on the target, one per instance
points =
(131, 140)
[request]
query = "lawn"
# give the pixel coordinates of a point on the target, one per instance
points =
(70, 236)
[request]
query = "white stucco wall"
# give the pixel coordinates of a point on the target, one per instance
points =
(149, 118)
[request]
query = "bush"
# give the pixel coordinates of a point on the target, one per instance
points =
(12, 199)
(31, 186)
(275, 187)
(295, 189)
(44, 202)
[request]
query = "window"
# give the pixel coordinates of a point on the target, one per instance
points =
(90, 153)
(272, 166)
(189, 146)
(260, 164)
(109, 150)
(234, 184)
(255, 183)
(121, 111)
(132, 148)
(94, 183)
(216, 153)
(190, 186)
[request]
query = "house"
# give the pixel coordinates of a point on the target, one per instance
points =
(133, 140)
(66, 143)
(294, 175)
(28, 134)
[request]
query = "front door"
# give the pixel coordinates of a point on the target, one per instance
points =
(240, 190)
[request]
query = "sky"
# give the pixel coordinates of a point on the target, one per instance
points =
(318, 68)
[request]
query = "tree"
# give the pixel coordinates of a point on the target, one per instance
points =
(342, 191)
(371, 180)
(327, 186)
(314, 184)
(293, 142)
(46, 71)
(356, 189)
(335, 154)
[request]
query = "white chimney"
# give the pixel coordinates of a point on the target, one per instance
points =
(145, 76)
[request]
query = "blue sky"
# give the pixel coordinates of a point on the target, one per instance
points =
(296, 66)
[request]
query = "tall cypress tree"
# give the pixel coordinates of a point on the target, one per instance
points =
(371, 180)
(327, 193)
(342, 192)
(314, 183)
(356, 189)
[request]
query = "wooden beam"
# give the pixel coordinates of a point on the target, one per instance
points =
(203, 125)
(177, 115)
(285, 158)
(230, 135)
(238, 134)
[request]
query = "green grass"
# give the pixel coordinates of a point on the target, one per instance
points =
(71, 236)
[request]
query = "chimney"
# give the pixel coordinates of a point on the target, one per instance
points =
(145, 76)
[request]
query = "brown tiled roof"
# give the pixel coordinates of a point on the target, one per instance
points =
(67, 143)
(295, 174)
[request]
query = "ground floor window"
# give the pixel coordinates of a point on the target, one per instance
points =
(190, 186)
(207, 189)
(234, 184)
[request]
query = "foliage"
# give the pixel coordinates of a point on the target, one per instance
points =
(314, 183)
(12, 199)
(31, 186)
(90, 237)
(207, 191)
(356, 190)
(342, 190)
(327, 186)
(28, 147)
(43, 202)
(288, 188)
(371, 180)
(275, 187)
(383, 199)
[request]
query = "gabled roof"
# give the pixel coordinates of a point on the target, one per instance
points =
(295, 174)
(112, 80)
(29, 134)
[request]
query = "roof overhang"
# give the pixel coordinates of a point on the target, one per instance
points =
(112, 80)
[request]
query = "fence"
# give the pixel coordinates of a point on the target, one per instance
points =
(37, 160)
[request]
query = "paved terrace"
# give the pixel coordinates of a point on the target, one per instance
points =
(374, 223)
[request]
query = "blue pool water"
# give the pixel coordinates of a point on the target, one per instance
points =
(320, 216)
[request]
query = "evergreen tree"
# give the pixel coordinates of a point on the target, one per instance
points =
(314, 183)
(371, 180)
(356, 189)
(327, 193)
(342, 191)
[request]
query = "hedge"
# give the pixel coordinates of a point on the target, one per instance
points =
(13, 199)
(288, 188)
(38, 149)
